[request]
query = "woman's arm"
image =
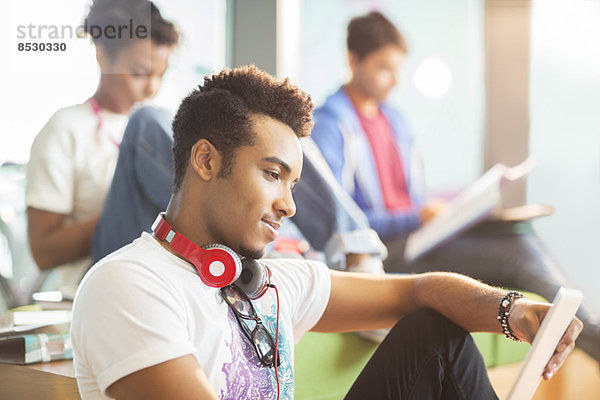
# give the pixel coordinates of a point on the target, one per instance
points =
(53, 242)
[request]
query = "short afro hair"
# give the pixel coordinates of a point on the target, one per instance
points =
(222, 110)
(371, 32)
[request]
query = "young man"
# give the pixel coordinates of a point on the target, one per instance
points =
(145, 326)
(143, 182)
(372, 153)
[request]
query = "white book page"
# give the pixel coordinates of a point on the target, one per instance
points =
(468, 208)
(519, 171)
(52, 317)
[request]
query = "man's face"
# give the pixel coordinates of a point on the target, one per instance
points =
(245, 209)
(378, 73)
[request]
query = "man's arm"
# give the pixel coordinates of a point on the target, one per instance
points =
(180, 378)
(362, 302)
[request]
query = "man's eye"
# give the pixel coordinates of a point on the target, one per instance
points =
(274, 175)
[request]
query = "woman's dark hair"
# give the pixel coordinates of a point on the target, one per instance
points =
(371, 32)
(222, 111)
(107, 14)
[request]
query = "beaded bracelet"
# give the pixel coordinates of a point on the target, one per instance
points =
(504, 309)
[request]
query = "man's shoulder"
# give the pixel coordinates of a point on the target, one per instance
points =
(136, 274)
(334, 105)
(134, 258)
(143, 246)
(326, 120)
(325, 114)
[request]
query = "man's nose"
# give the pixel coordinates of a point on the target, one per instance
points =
(286, 205)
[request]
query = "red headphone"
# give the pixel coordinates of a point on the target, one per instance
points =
(217, 265)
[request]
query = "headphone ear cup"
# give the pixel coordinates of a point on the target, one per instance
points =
(254, 279)
(220, 267)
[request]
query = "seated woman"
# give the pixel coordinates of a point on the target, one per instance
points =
(74, 155)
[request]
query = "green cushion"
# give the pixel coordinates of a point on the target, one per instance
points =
(498, 350)
(328, 363)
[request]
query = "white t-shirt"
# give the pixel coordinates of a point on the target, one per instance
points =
(71, 167)
(142, 305)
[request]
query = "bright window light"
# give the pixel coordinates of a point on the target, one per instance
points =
(433, 78)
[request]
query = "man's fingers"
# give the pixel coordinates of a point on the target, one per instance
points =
(563, 349)
(576, 327)
(569, 337)
(558, 358)
(557, 361)
(571, 334)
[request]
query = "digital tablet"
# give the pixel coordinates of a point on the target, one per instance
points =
(542, 348)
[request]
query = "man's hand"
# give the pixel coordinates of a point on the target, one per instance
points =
(525, 319)
(431, 209)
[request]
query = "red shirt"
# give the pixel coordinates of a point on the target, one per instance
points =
(387, 160)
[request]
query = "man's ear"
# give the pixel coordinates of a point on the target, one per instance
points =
(205, 159)
(353, 60)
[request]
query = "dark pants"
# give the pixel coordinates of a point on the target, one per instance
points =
(425, 356)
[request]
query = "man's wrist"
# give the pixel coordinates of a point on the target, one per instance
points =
(505, 307)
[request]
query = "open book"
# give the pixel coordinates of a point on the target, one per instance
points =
(17, 322)
(53, 300)
(469, 207)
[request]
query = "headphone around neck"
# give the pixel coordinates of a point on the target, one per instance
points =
(217, 265)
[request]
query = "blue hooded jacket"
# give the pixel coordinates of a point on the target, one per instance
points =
(343, 143)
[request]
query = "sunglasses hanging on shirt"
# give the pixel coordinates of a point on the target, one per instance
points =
(251, 324)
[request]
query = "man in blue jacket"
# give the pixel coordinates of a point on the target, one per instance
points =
(372, 154)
